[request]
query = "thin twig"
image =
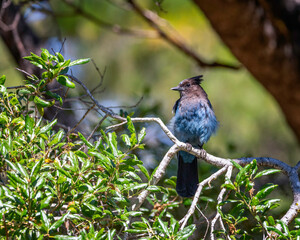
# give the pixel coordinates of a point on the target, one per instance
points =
(108, 111)
(207, 222)
(220, 199)
(97, 126)
(83, 117)
(16, 87)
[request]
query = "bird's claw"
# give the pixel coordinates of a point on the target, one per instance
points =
(189, 146)
(202, 153)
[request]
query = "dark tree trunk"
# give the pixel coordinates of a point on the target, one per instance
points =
(263, 35)
(18, 37)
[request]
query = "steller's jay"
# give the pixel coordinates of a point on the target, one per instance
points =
(194, 122)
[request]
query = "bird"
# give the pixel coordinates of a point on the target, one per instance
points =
(194, 122)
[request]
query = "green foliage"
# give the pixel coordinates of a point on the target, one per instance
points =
(250, 205)
(59, 186)
(54, 67)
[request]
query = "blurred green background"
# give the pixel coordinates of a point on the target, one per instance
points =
(251, 123)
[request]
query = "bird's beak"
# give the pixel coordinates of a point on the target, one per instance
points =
(177, 88)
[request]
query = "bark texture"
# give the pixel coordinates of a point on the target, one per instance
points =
(264, 37)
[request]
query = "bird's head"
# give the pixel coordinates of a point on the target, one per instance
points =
(189, 84)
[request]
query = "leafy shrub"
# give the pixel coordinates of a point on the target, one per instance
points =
(62, 186)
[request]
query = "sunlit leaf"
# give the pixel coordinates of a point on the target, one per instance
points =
(79, 61)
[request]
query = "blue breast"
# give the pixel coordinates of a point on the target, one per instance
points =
(194, 123)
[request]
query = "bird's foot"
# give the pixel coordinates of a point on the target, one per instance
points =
(189, 146)
(203, 153)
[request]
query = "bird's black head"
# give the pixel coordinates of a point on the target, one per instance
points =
(189, 84)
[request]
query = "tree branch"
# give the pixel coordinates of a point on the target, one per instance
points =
(224, 164)
(151, 19)
(191, 210)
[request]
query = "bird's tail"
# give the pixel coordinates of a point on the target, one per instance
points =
(187, 177)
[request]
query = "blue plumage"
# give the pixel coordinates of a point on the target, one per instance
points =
(194, 122)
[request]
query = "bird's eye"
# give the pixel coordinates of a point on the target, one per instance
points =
(188, 85)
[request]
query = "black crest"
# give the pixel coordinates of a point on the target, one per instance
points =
(197, 79)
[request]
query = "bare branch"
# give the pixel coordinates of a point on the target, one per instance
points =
(220, 199)
(191, 210)
(291, 172)
(224, 164)
(108, 111)
(160, 171)
(206, 219)
(174, 40)
(83, 117)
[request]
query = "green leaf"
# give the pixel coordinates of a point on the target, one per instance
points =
(55, 96)
(130, 125)
(136, 230)
(126, 139)
(164, 227)
(100, 156)
(57, 137)
(186, 232)
(85, 141)
(141, 135)
(22, 170)
(59, 222)
(174, 225)
(45, 54)
(60, 57)
(2, 89)
(46, 202)
(81, 154)
(266, 190)
(266, 172)
(139, 225)
(3, 118)
(36, 168)
(62, 171)
(43, 103)
(271, 220)
(134, 213)
(153, 188)
(36, 60)
(112, 140)
(284, 227)
(243, 173)
(79, 62)
(15, 178)
(29, 123)
(274, 229)
(2, 79)
(170, 182)
(236, 165)
(45, 220)
(66, 237)
(228, 186)
(144, 170)
(24, 91)
(139, 186)
(13, 101)
(47, 127)
(64, 80)
(40, 110)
